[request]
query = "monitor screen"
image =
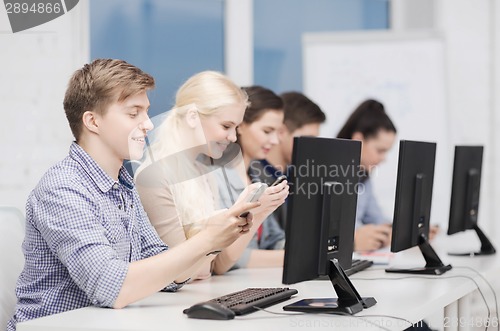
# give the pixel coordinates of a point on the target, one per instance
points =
(324, 179)
(465, 190)
(413, 204)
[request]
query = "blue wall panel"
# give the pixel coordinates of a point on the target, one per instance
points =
(171, 40)
(279, 25)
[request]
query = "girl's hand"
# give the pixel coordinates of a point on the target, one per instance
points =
(273, 197)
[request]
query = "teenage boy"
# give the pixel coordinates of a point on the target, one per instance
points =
(88, 240)
(302, 117)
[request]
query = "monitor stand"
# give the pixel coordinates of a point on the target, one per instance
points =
(433, 264)
(486, 245)
(349, 301)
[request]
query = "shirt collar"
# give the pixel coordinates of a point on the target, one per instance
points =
(363, 176)
(254, 176)
(271, 170)
(96, 173)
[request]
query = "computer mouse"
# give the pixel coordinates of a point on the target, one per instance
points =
(209, 310)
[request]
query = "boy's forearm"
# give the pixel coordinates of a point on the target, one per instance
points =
(229, 256)
(150, 275)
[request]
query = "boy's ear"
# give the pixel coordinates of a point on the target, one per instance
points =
(90, 121)
(240, 128)
(358, 136)
(283, 131)
(192, 118)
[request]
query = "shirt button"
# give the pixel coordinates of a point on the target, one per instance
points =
(120, 207)
(131, 206)
(115, 186)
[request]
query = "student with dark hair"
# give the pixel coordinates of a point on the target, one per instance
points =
(88, 240)
(371, 125)
(302, 117)
(194, 138)
(256, 136)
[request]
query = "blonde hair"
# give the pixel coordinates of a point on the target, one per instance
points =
(207, 92)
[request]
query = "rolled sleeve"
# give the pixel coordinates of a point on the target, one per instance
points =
(174, 287)
(110, 283)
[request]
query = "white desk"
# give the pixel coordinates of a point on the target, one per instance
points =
(411, 299)
(487, 266)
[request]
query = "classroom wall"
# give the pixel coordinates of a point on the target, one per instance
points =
(278, 33)
(238, 41)
(35, 66)
(470, 28)
(170, 40)
(495, 111)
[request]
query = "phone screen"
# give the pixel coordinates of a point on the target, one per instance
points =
(255, 195)
(279, 180)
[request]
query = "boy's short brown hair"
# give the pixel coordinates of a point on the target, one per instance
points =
(300, 110)
(100, 83)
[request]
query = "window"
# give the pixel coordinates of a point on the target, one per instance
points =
(169, 39)
(278, 28)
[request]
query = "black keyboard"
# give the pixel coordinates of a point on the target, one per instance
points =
(358, 265)
(244, 302)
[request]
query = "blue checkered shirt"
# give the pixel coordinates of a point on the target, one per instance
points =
(82, 230)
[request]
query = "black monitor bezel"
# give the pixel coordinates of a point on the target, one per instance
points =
(465, 194)
(413, 206)
(306, 254)
(416, 159)
(466, 158)
(303, 236)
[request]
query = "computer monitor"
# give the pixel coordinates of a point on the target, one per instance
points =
(464, 206)
(321, 212)
(413, 205)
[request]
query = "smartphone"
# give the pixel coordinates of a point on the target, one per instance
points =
(279, 180)
(255, 195)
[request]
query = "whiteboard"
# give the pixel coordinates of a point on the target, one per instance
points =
(406, 73)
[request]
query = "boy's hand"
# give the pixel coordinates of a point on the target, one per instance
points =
(433, 231)
(225, 227)
(371, 237)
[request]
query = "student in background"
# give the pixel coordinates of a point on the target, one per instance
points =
(302, 117)
(176, 182)
(257, 135)
(88, 240)
(371, 125)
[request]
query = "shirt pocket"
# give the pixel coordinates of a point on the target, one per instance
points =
(115, 230)
(118, 238)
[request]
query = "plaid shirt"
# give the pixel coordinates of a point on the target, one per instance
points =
(82, 230)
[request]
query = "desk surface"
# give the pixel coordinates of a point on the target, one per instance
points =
(401, 295)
